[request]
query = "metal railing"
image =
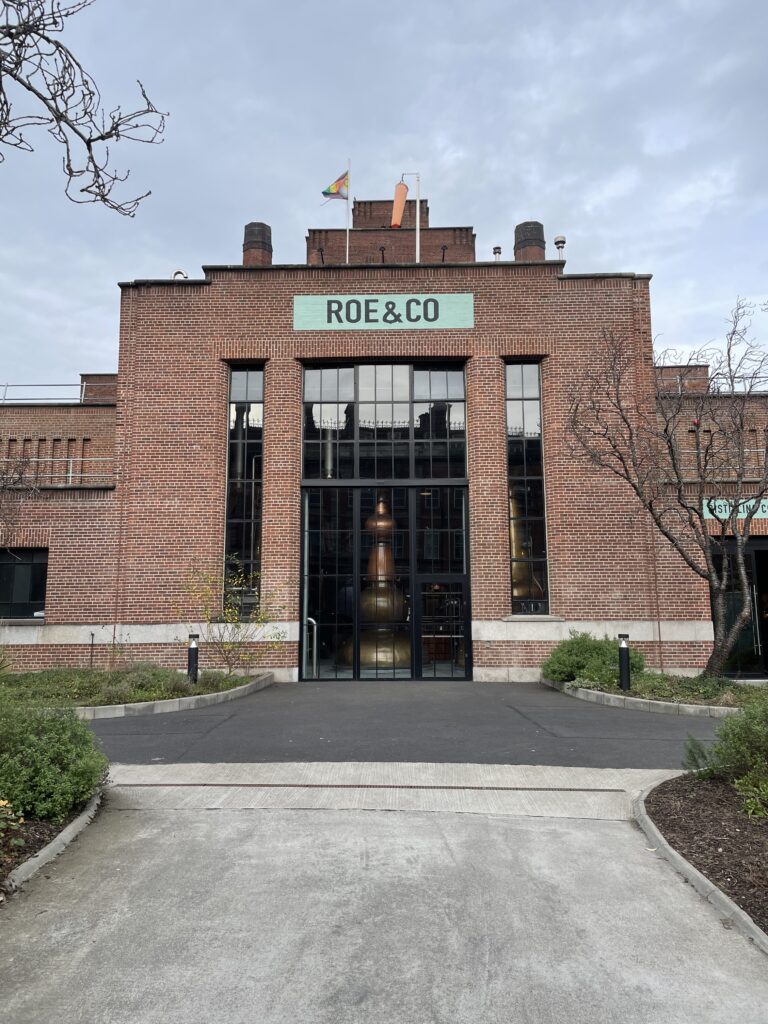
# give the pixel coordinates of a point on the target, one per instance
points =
(58, 394)
(70, 471)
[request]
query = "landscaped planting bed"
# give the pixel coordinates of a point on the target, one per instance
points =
(704, 821)
(50, 766)
(70, 687)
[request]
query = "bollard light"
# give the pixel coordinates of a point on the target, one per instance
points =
(624, 661)
(192, 653)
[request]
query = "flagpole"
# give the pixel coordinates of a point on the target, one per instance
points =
(349, 170)
(418, 218)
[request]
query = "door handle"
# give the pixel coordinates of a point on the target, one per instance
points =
(755, 621)
(313, 623)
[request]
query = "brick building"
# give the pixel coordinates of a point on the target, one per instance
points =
(384, 442)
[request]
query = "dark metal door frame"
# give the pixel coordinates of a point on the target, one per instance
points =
(416, 578)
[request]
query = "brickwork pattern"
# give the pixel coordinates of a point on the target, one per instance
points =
(127, 556)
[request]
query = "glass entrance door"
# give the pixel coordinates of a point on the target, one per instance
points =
(385, 583)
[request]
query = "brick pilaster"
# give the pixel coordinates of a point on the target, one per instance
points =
(488, 494)
(281, 507)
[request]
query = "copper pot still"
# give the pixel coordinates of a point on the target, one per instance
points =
(381, 601)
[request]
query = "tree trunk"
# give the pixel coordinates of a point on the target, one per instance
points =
(724, 638)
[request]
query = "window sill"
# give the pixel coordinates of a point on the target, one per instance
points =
(532, 618)
(22, 622)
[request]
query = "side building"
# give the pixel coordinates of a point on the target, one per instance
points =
(385, 443)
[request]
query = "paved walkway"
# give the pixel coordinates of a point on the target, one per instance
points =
(189, 902)
(401, 721)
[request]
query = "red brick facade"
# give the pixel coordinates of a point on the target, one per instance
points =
(121, 555)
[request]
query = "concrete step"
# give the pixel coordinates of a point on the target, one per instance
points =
(523, 790)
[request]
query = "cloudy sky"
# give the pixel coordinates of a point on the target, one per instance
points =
(638, 130)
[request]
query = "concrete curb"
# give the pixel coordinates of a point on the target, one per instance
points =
(659, 707)
(723, 904)
(57, 845)
(159, 707)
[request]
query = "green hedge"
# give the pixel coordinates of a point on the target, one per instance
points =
(583, 656)
(739, 755)
(49, 761)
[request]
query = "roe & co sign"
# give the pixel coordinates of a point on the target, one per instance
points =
(382, 312)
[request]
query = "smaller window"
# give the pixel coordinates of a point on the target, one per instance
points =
(23, 573)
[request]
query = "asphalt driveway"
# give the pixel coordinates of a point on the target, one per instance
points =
(444, 722)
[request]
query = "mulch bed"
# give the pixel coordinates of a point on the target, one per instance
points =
(702, 819)
(36, 835)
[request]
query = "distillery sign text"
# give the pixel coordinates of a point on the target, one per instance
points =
(383, 312)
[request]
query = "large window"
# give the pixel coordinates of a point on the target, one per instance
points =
(384, 422)
(23, 573)
(246, 417)
(527, 528)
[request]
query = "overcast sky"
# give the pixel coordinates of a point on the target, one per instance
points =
(637, 129)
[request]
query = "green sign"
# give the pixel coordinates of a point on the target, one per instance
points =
(720, 508)
(383, 312)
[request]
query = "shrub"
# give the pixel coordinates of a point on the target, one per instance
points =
(583, 656)
(49, 762)
(739, 755)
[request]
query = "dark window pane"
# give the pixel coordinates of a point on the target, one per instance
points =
(311, 460)
(533, 457)
(517, 499)
(236, 501)
(421, 420)
(521, 580)
(383, 461)
(457, 458)
(422, 465)
(515, 457)
(402, 461)
(347, 421)
(439, 420)
(537, 538)
(439, 459)
(535, 496)
(346, 460)
(236, 461)
(367, 461)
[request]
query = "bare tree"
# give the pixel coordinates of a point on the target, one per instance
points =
(18, 482)
(689, 438)
(63, 98)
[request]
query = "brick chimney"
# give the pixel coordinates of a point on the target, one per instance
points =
(529, 242)
(257, 245)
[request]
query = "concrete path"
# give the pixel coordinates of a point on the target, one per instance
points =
(186, 902)
(491, 723)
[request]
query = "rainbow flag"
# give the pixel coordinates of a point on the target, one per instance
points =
(338, 189)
